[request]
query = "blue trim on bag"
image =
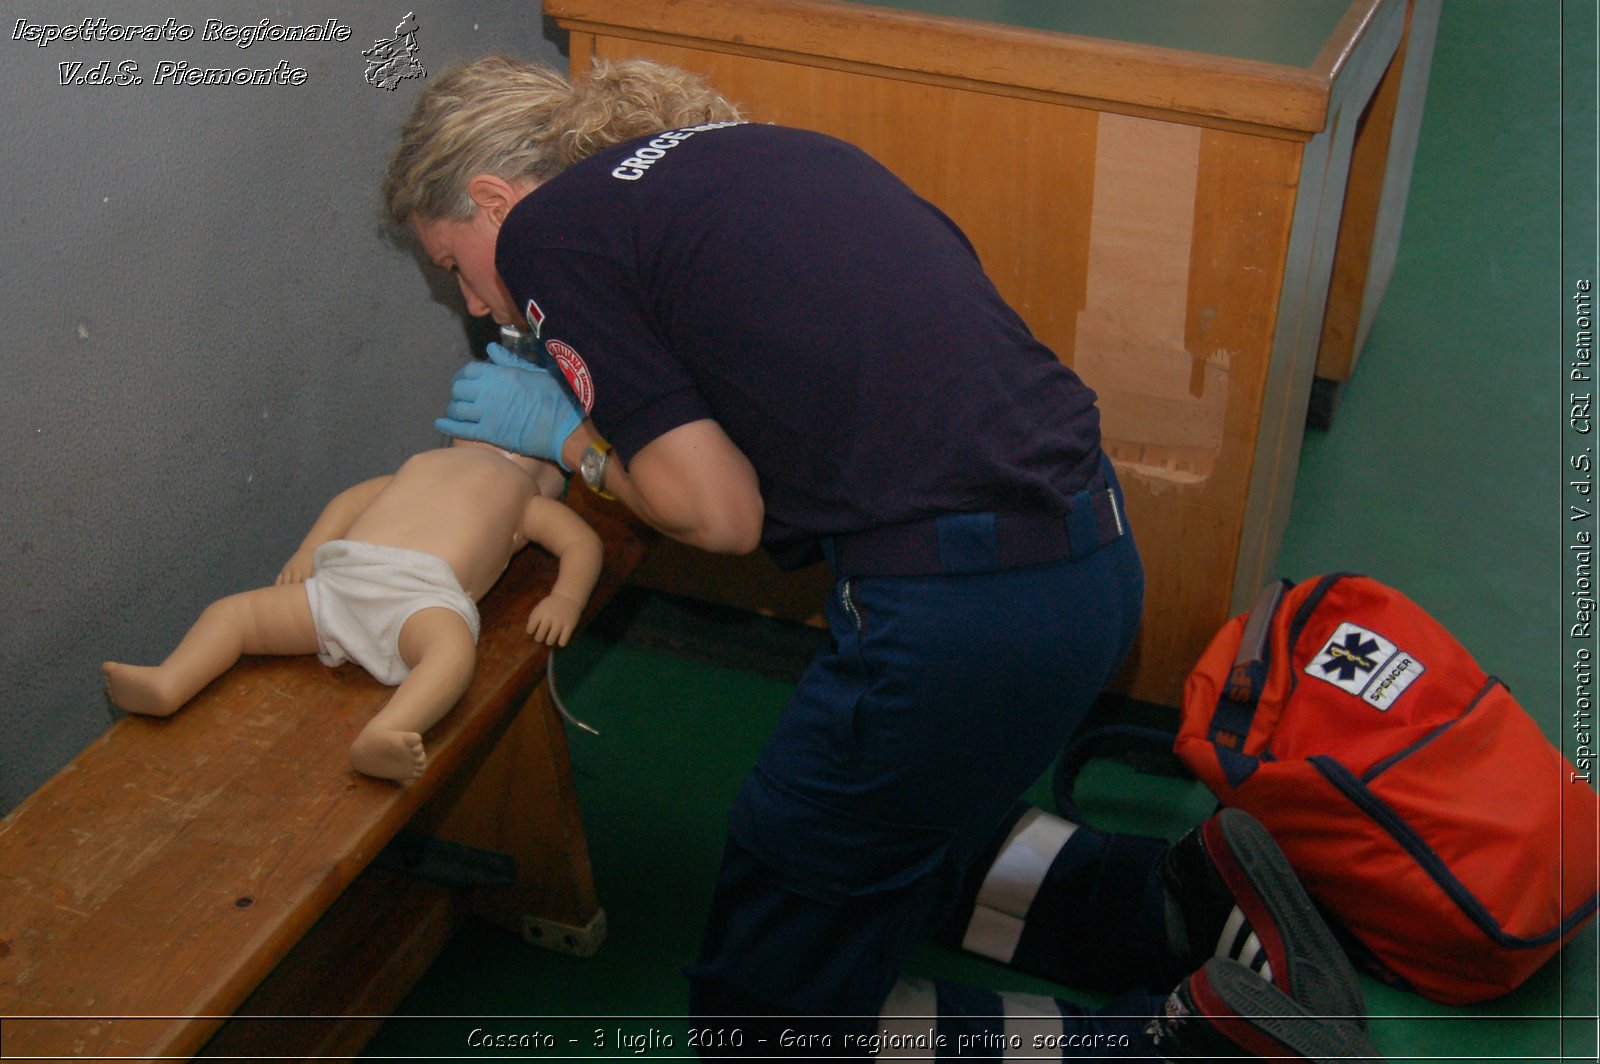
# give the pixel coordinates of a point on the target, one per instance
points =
(1433, 733)
(1236, 767)
(1302, 617)
(1231, 718)
(1348, 784)
(1234, 717)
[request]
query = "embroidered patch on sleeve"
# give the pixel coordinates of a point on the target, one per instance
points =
(574, 369)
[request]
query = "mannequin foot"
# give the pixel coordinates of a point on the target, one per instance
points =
(389, 755)
(139, 689)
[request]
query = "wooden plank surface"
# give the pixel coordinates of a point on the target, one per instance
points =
(174, 863)
(1285, 32)
(1314, 239)
(1375, 200)
(1094, 72)
(354, 967)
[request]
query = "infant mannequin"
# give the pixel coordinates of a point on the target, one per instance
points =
(389, 576)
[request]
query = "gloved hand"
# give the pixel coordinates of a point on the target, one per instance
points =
(511, 403)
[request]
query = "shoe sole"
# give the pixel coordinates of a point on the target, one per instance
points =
(1259, 1018)
(1261, 879)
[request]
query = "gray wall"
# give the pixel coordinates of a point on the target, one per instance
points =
(204, 329)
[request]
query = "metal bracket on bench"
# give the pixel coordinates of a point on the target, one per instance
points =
(565, 938)
(452, 864)
(448, 863)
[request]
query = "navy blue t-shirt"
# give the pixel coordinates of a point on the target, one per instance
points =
(839, 328)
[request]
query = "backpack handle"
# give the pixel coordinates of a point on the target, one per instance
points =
(1236, 706)
(1145, 733)
(1139, 734)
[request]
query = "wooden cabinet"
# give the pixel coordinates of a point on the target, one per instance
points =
(1164, 218)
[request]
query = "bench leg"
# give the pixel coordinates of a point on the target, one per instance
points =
(522, 802)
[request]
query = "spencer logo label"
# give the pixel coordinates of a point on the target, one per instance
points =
(1365, 664)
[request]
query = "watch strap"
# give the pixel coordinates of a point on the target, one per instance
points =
(592, 467)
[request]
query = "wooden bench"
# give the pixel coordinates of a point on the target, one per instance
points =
(219, 863)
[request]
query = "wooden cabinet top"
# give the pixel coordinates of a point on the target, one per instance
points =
(1263, 63)
(1284, 32)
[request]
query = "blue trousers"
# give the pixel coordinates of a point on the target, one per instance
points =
(887, 780)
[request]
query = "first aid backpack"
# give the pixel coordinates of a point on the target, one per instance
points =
(1424, 810)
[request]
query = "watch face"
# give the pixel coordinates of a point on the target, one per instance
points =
(591, 466)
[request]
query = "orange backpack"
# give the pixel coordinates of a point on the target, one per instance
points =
(1424, 810)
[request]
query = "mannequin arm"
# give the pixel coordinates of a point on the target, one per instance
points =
(335, 520)
(555, 527)
(692, 484)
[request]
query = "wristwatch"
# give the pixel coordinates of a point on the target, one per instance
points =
(592, 467)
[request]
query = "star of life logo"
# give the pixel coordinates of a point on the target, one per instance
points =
(574, 369)
(1366, 665)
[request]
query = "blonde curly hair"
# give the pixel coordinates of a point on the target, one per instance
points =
(515, 120)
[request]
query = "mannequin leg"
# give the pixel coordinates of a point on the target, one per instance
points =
(268, 620)
(437, 647)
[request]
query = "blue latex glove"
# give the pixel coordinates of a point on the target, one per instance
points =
(511, 403)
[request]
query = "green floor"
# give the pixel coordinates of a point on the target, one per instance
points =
(1441, 474)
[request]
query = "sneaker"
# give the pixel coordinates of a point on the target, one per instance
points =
(1232, 894)
(1225, 1011)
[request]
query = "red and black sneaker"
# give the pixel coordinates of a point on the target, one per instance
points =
(1225, 1011)
(1232, 894)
